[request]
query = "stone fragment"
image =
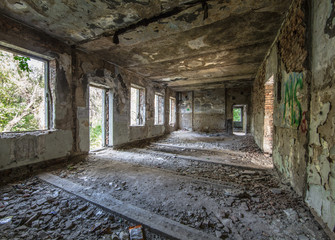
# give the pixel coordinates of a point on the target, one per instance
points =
(69, 224)
(291, 214)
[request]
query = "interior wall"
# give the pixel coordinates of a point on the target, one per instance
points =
(304, 119)
(237, 96)
(185, 106)
(209, 110)
(18, 149)
(286, 64)
(92, 70)
(73, 71)
(320, 194)
(202, 110)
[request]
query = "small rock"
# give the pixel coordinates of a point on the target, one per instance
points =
(35, 224)
(291, 214)
(114, 226)
(124, 236)
(218, 234)
(69, 224)
(227, 222)
(302, 237)
(115, 237)
(275, 190)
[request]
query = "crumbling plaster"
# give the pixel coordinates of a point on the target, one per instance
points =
(71, 73)
(303, 145)
(320, 194)
(196, 40)
(208, 110)
(96, 72)
(27, 148)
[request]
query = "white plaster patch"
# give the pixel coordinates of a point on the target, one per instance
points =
(314, 198)
(197, 43)
(316, 121)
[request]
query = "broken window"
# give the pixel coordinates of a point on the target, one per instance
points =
(159, 109)
(137, 106)
(172, 114)
(23, 92)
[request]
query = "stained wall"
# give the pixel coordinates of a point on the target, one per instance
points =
(302, 62)
(71, 72)
(320, 192)
(26, 148)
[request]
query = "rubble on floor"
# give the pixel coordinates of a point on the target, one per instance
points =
(225, 201)
(40, 211)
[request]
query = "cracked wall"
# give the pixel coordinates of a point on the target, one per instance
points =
(94, 71)
(285, 64)
(209, 110)
(320, 195)
(18, 149)
(237, 96)
(303, 67)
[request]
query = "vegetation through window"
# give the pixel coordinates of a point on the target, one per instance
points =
(22, 93)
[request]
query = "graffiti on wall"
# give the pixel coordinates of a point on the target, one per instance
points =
(292, 104)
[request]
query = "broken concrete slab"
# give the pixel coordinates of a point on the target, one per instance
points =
(152, 221)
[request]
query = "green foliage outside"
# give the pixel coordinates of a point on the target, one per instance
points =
(237, 114)
(95, 137)
(21, 94)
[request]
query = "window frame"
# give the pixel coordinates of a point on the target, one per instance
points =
(48, 99)
(159, 115)
(139, 101)
(172, 114)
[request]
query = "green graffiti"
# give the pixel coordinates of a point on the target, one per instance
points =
(291, 86)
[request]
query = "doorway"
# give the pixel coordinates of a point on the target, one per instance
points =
(97, 117)
(240, 119)
(268, 115)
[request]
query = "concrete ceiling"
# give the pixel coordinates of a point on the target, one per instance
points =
(186, 44)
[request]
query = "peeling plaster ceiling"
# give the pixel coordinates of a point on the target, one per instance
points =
(186, 44)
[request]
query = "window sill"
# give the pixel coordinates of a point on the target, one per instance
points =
(31, 133)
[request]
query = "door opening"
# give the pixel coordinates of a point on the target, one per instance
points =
(268, 115)
(97, 117)
(240, 119)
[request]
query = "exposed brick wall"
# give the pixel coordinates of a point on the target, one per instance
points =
(292, 38)
(258, 102)
(268, 116)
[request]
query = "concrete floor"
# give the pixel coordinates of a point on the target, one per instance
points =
(221, 185)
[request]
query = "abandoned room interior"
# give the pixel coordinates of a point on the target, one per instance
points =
(181, 119)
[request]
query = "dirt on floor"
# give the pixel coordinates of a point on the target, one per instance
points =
(222, 185)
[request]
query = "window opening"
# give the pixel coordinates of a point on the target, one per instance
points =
(159, 109)
(23, 93)
(137, 106)
(172, 114)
